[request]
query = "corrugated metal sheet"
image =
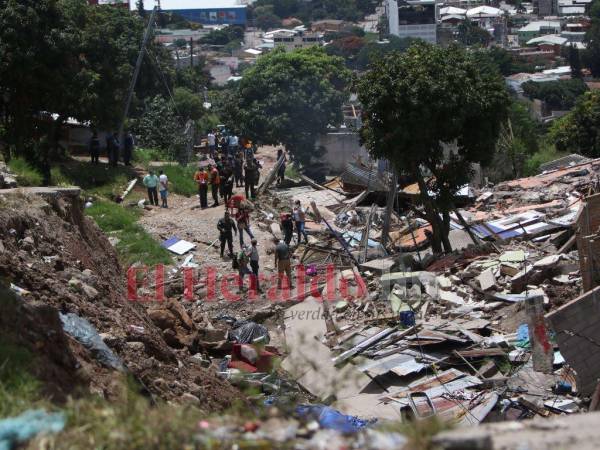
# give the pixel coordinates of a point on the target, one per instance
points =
(361, 176)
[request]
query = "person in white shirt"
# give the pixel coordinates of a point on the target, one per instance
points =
(299, 216)
(163, 188)
(212, 140)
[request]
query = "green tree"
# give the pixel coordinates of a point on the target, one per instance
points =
(592, 39)
(158, 127)
(188, 106)
(518, 140)
(575, 62)
(472, 34)
(289, 98)
(433, 110)
(579, 131)
(64, 58)
(347, 47)
(374, 51)
(559, 95)
(265, 18)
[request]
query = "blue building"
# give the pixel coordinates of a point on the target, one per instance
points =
(208, 12)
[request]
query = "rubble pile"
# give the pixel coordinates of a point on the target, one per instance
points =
(62, 266)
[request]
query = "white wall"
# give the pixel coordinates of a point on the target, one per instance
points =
(341, 148)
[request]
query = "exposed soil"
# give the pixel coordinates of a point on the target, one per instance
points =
(49, 248)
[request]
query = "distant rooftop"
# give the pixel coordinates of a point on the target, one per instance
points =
(174, 5)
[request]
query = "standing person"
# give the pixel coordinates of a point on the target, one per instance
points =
(243, 258)
(201, 178)
(212, 142)
(226, 227)
(163, 188)
(254, 259)
(95, 148)
(282, 262)
(225, 172)
(128, 144)
(243, 224)
(215, 181)
(299, 215)
(233, 144)
(248, 152)
(151, 183)
(227, 188)
(238, 169)
(112, 148)
(249, 178)
(287, 226)
(281, 169)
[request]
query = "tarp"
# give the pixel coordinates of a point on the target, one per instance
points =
(332, 419)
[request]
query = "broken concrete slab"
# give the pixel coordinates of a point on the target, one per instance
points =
(547, 262)
(310, 362)
(451, 297)
(486, 279)
(387, 280)
(381, 265)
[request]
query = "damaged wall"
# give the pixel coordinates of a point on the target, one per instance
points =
(577, 328)
(588, 241)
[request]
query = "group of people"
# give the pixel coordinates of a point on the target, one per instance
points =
(113, 148)
(233, 165)
(158, 183)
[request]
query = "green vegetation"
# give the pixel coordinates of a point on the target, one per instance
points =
(224, 36)
(349, 10)
(592, 54)
(19, 390)
(559, 95)
(472, 34)
(135, 244)
(181, 179)
(27, 175)
(442, 92)
(579, 131)
(289, 98)
(546, 154)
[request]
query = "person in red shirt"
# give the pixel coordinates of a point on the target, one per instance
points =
(243, 224)
(215, 181)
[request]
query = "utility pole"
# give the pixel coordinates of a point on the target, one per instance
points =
(191, 52)
(136, 72)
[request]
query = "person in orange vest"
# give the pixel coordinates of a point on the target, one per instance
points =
(201, 178)
(215, 181)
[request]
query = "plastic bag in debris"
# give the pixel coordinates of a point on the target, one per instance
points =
(85, 333)
(332, 419)
(523, 336)
(17, 430)
(246, 332)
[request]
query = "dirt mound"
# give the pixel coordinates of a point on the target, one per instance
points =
(50, 249)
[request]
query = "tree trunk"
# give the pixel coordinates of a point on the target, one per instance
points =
(431, 213)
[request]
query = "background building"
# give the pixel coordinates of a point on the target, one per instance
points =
(413, 18)
(109, 2)
(206, 12)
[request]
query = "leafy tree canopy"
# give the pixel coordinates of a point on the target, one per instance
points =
(435, 110)
(374, 51)
(579, 131)
(289, 98)
(559, 95)
(224, 36)
(472, 34)
(592, 38)
(350, 10)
